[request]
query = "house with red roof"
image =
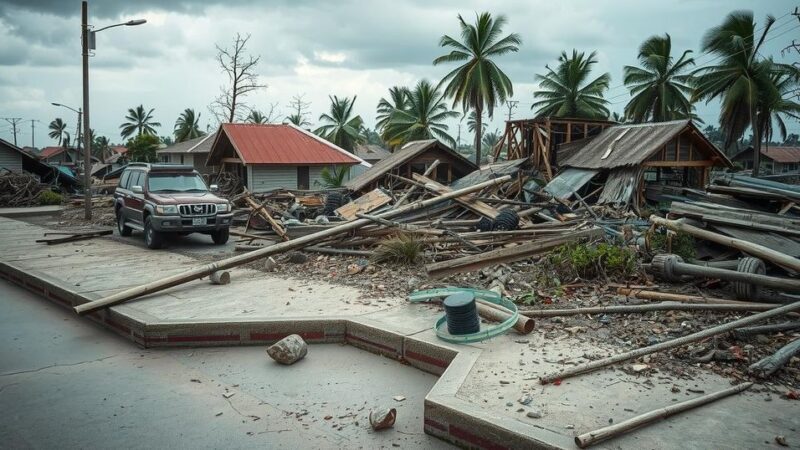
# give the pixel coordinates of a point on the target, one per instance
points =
(58, 155)
(774, 160)
(272, 156)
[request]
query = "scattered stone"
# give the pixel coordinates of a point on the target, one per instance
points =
(505, 382)
(288, 350)
(781, 440)
(570, 427)
(218, 414)
(639, 367)
(228, 394)
(509, 404)
(328, 417)
(526, 399)
(398, 398)
(534, 414)
(383, 418)
(675, 389)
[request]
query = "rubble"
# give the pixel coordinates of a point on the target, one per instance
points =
(288, 350)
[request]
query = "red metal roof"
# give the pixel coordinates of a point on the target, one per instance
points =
(782, 154)
(283, 144)
(48, 152)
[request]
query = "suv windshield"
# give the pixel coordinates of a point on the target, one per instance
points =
(171, 182)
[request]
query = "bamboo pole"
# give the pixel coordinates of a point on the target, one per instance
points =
(668, 296)
(694, 337)
(593, 437)
(648, 307)
(759, 251)
(413, 189)
(304, 241)
(498, 313)
(772, 363)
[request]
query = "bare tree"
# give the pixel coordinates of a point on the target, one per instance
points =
(299, 106)
(239, 66)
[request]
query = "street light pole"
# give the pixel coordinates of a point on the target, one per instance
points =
(87, 145)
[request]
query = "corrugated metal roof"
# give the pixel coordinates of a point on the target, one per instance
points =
(200, 144)
(400, 157)
(283, 144)
(626, 145)
(782, 154)
(568, 181)
(48, 152)
(371, 152)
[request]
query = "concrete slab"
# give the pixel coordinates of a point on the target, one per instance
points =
(29, 211)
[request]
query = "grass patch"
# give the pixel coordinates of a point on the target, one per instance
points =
(682, 244)
(400, 249)
(50, 198)
(587, 261)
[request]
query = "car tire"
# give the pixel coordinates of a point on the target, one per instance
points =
(123, 229)
(152, 238)
(332, 202)
(220, 237)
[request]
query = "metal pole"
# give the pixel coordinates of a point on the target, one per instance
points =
(87, 146)
(33, 130)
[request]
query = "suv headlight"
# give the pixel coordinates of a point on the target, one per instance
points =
(223, 207)
(166, 209)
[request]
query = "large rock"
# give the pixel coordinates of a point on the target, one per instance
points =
(382, 418)
(288, 350)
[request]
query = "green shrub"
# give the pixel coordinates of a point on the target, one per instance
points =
(50, 198)
(683, 244)
(401, 249)
(590, 261)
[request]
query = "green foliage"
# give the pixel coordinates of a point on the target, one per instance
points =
(187, 126)
(424, 117)
(143, 148)
(478, 84)
(589, 261)
(339, 126)
(57, 130)
(332, 179)
(660, 89)
(139, 122)
(398, 100)
(50, 198)
(401, 249)
(567, 92)
(683, 244)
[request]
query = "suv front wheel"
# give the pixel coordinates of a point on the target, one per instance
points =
(123, 229)
(220, 237)
(152, 238)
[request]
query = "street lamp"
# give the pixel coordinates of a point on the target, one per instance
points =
(88, 42)
(78, 130)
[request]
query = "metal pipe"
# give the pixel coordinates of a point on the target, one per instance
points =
(732, 275)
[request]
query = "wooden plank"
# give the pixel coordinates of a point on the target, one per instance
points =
(263, 212)
(506, 255)
(366, 203)
(76, 237)
(232, 160)
(469, 202)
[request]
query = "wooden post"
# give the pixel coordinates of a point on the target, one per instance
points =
(759, 251)
(411, 190)
(593, 437)
(694, 337)
(301, 242)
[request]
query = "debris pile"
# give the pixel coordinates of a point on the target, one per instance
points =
(20, 189)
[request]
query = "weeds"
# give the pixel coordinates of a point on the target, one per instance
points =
(682, 244)
(400, 249)
(50, 198)
(588, 261)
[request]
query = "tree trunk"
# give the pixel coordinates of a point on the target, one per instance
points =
(478, 130)
(756, 143)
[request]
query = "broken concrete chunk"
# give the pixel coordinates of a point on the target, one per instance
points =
(382, 418)
(288, 350)
(534, 414)
(526, 399)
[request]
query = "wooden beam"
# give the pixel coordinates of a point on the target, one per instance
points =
(469, 202)
(232, 160)
(704, 163)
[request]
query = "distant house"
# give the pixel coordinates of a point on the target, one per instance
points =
(272, 156)
(59, 155)
(776, 160)
(370, 153)
(193, 152)
(415, 157)
(15, 159)
(625, 161)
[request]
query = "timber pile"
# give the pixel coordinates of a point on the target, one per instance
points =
(19, 189)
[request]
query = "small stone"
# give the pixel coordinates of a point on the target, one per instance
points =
(781, 440)
(382, 418)
(328, 417)
(228, 394)
(521, 410)
(398, 398)
(570, 427)
(675, 389)
(526, 399)
(505, 382)
(288, 350)
(534, 414)
(509, 404)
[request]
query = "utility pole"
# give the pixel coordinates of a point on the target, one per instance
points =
(511, 105)
(87, 146)
(13, 121)
(458, 139)
(33, 132)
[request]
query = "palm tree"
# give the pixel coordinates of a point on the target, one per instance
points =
(339, 125)
(398, 99)
(423, 118)
(472, 123)
(298, 120)
(256, 117)
(58, 128)
(491, 138)
(139, 122)
(744, 81)
(774, 109)
(332, 179)
(100, 146)
(660, 89)
(187, 127)
(65, 140)
(566, 91)
(478, 84)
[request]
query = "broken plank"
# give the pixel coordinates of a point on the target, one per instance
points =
(469, 202)
(364, 204)
(76, 237)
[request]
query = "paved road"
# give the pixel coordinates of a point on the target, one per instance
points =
(67, 383)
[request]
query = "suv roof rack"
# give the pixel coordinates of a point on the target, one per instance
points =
(161, 166)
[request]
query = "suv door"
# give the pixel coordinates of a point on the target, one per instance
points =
(122, 192)
(135, 201)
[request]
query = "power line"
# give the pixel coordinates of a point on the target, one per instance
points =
(13, 121)
(33, 132)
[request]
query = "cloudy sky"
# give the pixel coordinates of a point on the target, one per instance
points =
(316, 48)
